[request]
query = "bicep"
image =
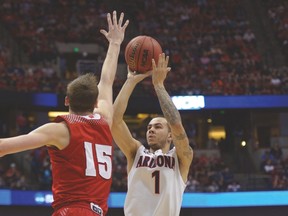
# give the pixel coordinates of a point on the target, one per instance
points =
(184, 152)
(52, 134)
(183, 149)
(105, 102)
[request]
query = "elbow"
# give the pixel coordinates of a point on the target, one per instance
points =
(117, 116)
(115, 123)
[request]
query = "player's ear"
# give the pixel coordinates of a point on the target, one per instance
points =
(170, 137)
(96, 104)
(66, 102)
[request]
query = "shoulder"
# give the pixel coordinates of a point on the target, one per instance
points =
(172, 151)
(51, 134)
(52, 127)
(58, 132)
(141, 148)
(139, 151)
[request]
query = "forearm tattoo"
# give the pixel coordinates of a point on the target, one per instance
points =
(181, 136)
(169, 110)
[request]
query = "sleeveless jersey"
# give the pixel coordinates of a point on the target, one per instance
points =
(82, 171)
(155, 185)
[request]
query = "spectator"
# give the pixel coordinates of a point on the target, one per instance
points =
(276, 152)
(234, 186)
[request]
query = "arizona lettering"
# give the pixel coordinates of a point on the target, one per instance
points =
(159, 161)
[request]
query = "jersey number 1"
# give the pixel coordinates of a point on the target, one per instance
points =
(103, 155)
(156, 175)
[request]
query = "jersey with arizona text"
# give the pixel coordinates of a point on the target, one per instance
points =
(82, 172)
(155, 185)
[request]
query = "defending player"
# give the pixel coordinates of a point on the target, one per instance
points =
(80, 144)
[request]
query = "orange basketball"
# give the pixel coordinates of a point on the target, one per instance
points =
(140, 51)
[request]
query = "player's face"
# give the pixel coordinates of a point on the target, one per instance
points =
(157, 133)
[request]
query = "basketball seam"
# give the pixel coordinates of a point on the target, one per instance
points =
(139, 54)
(127, 51)
(153, 51)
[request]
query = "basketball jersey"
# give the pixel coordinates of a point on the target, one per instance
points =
(82, 171)
(155, 185)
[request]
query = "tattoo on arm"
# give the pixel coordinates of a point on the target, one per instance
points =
(188, 154)
(169, 110)
(181, 136)
(172, 116)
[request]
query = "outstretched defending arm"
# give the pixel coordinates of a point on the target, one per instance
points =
(50, 134)
(115, 36)
(172, 115)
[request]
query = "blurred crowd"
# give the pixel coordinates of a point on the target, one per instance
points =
(277, 11)
(212, 45)
(31, 170)
(208, 172)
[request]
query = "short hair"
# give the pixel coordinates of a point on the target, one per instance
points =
(83, 93)
(162, 116)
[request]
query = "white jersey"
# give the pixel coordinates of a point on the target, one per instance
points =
(155, 185)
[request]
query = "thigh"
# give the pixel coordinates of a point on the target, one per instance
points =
(68, 211)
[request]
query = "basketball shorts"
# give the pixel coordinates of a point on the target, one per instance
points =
(77, 211)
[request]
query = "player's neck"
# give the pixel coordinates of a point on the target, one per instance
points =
(163, 150)
(81, 113)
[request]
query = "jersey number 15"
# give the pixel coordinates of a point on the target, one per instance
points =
(103, 155)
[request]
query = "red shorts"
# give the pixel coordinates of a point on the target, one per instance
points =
(79, 209)
(74, 211)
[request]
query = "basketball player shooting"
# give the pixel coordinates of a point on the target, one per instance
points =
(156, 176)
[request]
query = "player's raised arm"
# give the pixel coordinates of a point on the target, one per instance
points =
(115, 36)
(120, 131)
(172, 115)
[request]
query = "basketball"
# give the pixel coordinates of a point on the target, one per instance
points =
(140, 51)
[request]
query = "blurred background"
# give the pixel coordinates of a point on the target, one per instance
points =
(229, 80)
